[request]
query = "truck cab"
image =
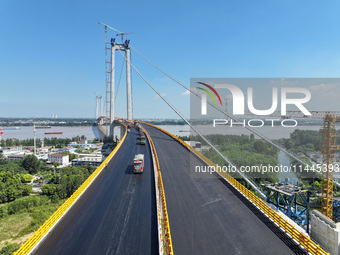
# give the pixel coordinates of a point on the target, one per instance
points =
(138, 163)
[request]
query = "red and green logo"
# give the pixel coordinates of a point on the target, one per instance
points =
(209, 93)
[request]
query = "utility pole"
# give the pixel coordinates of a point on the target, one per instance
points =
(35, 139)
(1, 133)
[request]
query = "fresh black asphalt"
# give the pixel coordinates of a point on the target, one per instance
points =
(207, 215)
(117, 213)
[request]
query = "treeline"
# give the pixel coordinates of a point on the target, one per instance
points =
(242, 151)
(29, 164)
(303, 140)
(64, 184)
(13, 186)
(23, 204)
(15, 122)
(15, 175)
(53, 141)
(166, 122)
(306, 140)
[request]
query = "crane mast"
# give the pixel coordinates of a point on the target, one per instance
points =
(328, 147)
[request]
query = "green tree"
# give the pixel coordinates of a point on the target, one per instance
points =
(26, 177)
(317, 186)
(56, 164)
(31, 164)
(27, 190)
(260, 146)
(3, 159)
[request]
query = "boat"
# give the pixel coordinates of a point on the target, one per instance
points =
(11, 128)
(53, 133)
(41, 127)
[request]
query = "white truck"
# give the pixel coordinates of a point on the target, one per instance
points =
(138, 163)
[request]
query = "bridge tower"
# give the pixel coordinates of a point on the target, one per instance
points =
(120, 47)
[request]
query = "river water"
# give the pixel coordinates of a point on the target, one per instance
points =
(179, 130)
(68, 132)
(92, 132)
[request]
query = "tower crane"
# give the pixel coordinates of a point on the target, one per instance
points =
(122, 35)
(328, 147)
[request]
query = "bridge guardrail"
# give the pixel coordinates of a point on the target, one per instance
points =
(164, 236)
(301, 238)
(38, 235)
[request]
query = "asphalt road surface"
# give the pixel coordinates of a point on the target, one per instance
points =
(207, 215)
(116, 215)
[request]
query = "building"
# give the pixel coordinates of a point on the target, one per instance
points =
(43, 149)
(62, 159)
(11, 150)
(93, 160)
(67, 149)
(16, 157)
(72, 144)
(83, 144)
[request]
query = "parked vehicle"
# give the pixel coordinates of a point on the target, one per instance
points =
(138, 163)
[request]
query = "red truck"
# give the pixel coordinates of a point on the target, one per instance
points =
(138, 163)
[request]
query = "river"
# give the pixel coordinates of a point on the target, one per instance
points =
(67, 132)
(178, 130)
(92, 132)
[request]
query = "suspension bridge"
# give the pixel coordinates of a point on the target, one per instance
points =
(164, 210)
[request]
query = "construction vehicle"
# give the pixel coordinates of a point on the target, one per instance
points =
(142, 140)
(138, 163)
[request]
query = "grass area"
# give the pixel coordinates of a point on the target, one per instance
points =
(15, 229)
(11, 225)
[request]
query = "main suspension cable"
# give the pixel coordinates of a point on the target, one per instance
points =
(253, 185)
(225, 113)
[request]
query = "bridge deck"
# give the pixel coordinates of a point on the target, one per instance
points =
(208, 216)
(116, 215)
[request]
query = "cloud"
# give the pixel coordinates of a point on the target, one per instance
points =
(185, 93)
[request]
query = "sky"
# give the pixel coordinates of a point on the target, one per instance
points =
(52, 58)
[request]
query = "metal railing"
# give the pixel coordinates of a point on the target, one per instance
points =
(162, 212)
(38, 235)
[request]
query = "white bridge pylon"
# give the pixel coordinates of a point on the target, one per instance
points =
(121, 47)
